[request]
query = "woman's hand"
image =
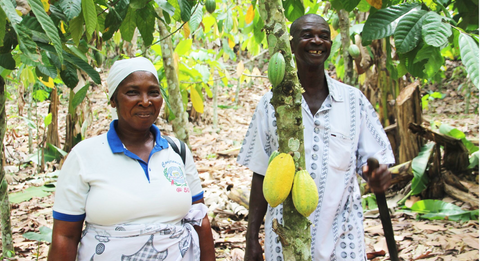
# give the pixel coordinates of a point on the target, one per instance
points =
(65, 238)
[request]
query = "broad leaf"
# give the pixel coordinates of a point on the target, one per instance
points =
(185, 10)
(376, 3)
(409, 31)
(258, 31)
(89, 16)
(45, 235)
(434, 32)
(419, 165)
(469, 52)
(382, 23)
(473, 160)
(407, 60)
(79, 96)
(440, 210)
(145, 21)
(11, 14)
(458, 134)
(197, 100)
(127, 29)
(166, 6)
(47, 25)
(113, 22)
(3, 23)
(433, 57)
(71, 8)
(29, 193)
(76, 29)
(183, 47)
(196, 18)
(7, 61)
(294, 9)
(69, 75)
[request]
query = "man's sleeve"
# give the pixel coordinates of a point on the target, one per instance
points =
(259, 141)
(373, 141)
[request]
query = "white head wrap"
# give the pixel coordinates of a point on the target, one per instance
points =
(123, 68)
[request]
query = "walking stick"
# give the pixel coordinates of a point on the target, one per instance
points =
(384, 215)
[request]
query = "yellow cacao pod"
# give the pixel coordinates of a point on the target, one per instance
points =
(304, 193)
(278, 180)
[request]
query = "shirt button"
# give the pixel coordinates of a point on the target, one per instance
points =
(313, 175)
(316, 130)
(314, 166)
(314, 156)
(315, 147)
(317, 122)
(316, 138)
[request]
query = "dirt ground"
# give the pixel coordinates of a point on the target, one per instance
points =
(215, 150)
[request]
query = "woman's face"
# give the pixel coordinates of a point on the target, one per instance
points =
(138, 101)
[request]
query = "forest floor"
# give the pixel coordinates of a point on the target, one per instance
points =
(215, 151)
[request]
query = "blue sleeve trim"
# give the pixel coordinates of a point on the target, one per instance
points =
(197, 197)
(67, 217)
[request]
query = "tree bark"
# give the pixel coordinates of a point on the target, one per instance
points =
(409, 109)
(294, 233)
(52, 135)
(179, 124)
(344, 24)
(7, 243)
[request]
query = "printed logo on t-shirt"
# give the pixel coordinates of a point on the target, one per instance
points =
(174, 174)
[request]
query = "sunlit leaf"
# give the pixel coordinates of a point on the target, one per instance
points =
(45, 235)
(419, 165)
(469, 52)
(89, 16)
(250, 15)
(49, 83)
(473, 160)
(29, 193)
(197, 100)
(196, 18)
(186, 30)
(294, 9)
(166, 6)
(434, 31)
(409, 31)
(438, 210)
(127, 29)
(375, 3)
(47, 120)
(71, 8)
(240, 69)
(183, 47)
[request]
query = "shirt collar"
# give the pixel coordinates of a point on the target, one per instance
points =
(116, 144)
(333, 88)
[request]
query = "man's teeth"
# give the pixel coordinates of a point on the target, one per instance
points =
(316, 52)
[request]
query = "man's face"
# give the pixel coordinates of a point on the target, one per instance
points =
(311, 42)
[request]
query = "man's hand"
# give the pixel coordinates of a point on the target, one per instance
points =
(378, 176)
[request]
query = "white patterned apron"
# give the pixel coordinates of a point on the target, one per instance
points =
(144, 242)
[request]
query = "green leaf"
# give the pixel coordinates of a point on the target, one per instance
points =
(29, 193)
(294, 9)
(409, 31)
(79, 96)
(113, 22)
(127, 29)
(434, 32)
(177, 15)
(3, 24)
(349, 5)
(58, 152)
(89, 16)
(45, 235)
(166, 6)
(433, 57)
(9, 10)
(183, 47)
(473, 160)
(47, 25)
(258, 25)
(469, 53)
(382, 23)
(419, 165)
(71, 8)
(48, 120)
(458, 134)
(185, 10)
(439, 210)
(7, 61)
(145, 21)
(69, 75)
(40, 95)
(76, 28)
(196, 18)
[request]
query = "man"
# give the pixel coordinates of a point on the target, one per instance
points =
(341, 132)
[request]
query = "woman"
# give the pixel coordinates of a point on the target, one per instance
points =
(138, 199)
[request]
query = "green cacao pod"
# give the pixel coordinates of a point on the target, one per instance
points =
(304, 193)
(354, 51)
(276, 69)
(98, 58)
(278, 180)
(210, 5)
(335, 22)
(273, 155)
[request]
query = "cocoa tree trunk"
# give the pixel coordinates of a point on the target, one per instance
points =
(7, 243)
(179, 124)
(52, 135)
(294, 233)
